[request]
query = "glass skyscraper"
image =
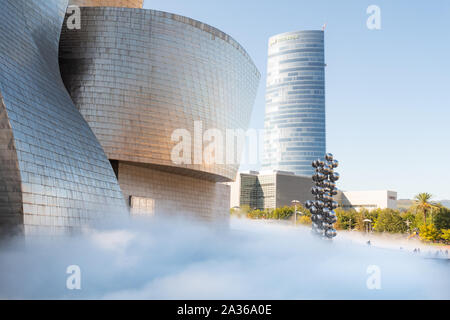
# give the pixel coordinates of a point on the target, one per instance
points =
(295, 102)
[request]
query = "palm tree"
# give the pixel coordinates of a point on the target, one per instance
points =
(423, 203)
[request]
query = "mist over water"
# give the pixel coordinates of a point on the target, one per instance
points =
(179, 259)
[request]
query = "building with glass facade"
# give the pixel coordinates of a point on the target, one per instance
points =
(269, 190)
(295, 102)
(87, 116)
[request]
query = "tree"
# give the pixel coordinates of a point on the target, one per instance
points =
(255, 214)
(423, 203)
(305, 220)
(283, 213)
(445, 235)
(390, 221)
(428, 232)
(347, 219)
(442, 219)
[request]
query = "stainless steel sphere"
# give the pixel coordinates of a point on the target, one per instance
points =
(331, 233)
(329, 157)
(327, 197)
(308, 204)
(328, 169)
(319, 204)
(333, 205)
(334, 176)
(335, 163)
(315, 164)
(327, 225)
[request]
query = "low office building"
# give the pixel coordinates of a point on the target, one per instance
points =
(382, 199)
(269, 189)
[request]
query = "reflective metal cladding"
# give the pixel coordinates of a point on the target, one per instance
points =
(108, 3)
(54, 173)
(139, 75)
(131, 77)
(295, 102)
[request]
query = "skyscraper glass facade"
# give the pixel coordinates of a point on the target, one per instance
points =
(295, 102)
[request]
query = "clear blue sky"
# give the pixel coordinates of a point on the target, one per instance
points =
(388, 90)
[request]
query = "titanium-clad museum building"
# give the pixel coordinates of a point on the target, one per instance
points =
(87, 115)
(295, 102)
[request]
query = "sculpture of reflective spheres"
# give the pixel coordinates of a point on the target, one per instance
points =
(322, 208)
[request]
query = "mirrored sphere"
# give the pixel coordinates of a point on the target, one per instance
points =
(319, 204)
(333, 205)
(334, 192)
(334, 176)
(308, 204)
(335, 163)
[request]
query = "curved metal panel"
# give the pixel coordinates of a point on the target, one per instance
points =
(66, 179)
(141, 74)
(108, 3)
(11, 210)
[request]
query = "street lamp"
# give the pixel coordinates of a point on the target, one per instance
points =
(408, 223)
(295, 202)
(237, 209)
(369, 225)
